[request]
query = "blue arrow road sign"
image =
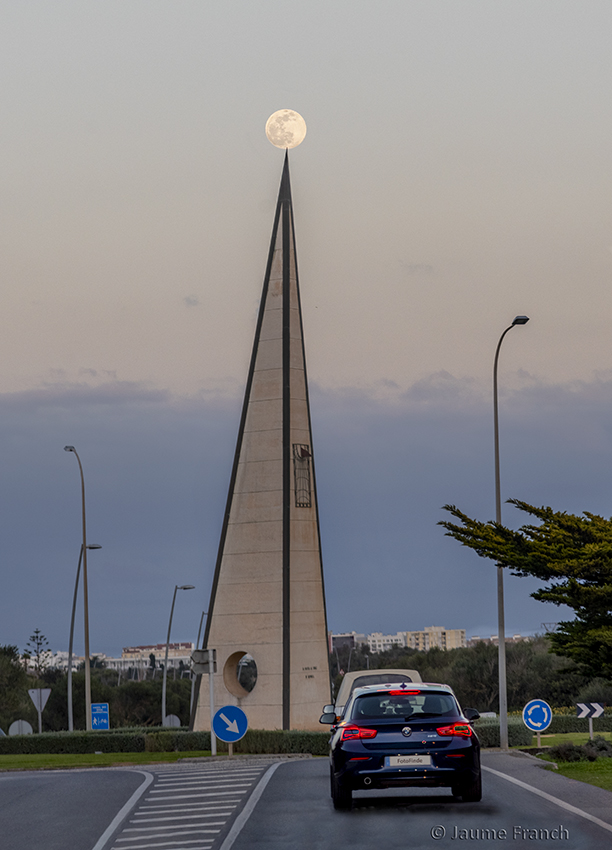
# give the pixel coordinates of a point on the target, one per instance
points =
(230, 724)
(537, 715)
(99, 715)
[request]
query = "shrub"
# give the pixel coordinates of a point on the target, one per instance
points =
(567, 752)
(163, 740)
(592, 750)
(488, 732)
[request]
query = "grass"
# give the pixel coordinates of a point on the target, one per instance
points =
(592, 772)
(58, 761)
(567, 737)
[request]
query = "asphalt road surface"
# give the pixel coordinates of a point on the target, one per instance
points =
(272, 805)
(295, 813)
(61, 810)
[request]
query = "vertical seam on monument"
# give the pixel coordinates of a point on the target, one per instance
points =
(286, 243)
(312, 452)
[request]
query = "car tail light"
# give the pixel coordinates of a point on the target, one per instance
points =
(401, 693)
(352, 733)
(463, 730)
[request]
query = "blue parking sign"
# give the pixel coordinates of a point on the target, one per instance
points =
(230, 724)
(100, 718)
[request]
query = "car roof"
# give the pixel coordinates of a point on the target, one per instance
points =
(420, 687)
(346, 687)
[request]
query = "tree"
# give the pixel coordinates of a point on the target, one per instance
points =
(38, 650)
(13, 687)
(573, 554)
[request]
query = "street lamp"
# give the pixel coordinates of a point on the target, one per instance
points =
(501, 626)
(74, 601)
(85, 597)
(193, 676)
(176, 587)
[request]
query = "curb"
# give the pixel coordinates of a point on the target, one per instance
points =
(245, 757)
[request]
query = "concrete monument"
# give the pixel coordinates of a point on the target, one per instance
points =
(267, 600)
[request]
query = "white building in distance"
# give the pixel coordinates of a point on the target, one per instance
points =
(430, 637)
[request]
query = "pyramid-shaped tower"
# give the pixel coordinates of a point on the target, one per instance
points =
(267, 597)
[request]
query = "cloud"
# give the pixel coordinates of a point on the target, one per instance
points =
(69, 395)
(191, 301)
(157, 468)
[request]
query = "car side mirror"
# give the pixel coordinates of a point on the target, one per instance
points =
(328, 717)
(327, 709)
(471, 714)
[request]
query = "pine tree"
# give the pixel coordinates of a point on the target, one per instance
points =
(573, 555)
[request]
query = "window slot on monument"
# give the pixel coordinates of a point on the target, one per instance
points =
(301, 474)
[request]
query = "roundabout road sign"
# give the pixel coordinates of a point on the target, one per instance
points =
(537, 715)
(230, 724)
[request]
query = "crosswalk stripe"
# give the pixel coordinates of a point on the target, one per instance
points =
(182, 817)
(203, 842)
(173, 826)
(187, 809)
(194, 796)
(171, 834)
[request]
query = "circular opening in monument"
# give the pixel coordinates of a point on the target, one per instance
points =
(240, 674)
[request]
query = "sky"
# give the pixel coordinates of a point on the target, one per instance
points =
(455, 173)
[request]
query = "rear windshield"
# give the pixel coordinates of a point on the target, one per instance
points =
(406, 706)
(379, 679)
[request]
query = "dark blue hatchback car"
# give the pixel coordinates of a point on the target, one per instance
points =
(402, 735)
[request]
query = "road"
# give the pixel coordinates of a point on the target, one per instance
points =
(271, 805)
(295, 813)
(61, 810)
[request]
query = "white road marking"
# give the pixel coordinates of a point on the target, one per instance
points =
(182, 817)
(174, 826)
(240, 784)
(208, 777)
(124, 811)
(201, 841)
(184, 804)
(194, 796)
(184, 807)
(188, 774)
(174, 777)
(170, 835)
(245, 814)
(561, 803)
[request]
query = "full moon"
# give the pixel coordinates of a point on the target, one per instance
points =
(285, 128)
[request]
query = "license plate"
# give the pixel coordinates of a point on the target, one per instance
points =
(408, 761)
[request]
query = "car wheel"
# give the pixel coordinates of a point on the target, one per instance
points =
(341, 795)
(470, 793)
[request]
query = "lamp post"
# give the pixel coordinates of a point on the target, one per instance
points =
(348, 669)
(176, 587)
(193, 677)
(74, 601)
(85, 596)
(501, 625)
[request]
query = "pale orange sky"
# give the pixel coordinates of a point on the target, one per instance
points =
(455, 173)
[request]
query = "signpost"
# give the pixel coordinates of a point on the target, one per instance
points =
(537, 716)
(590, 710)
(100, 718)
(230, 724)
(20, 727)
(39, 697)
(204, 661)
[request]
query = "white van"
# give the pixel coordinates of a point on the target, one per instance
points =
(360, 678)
